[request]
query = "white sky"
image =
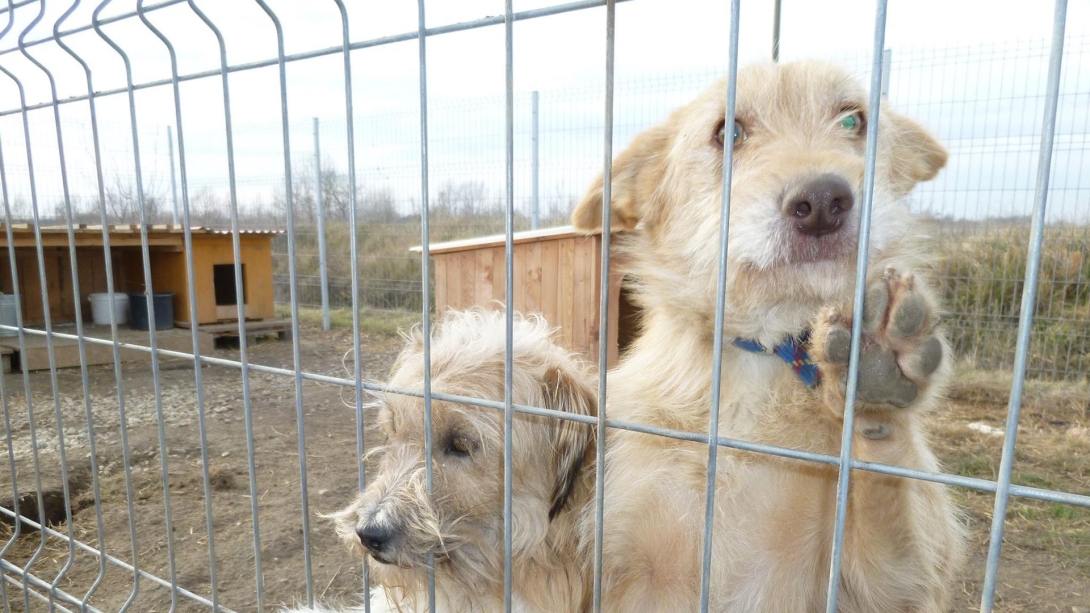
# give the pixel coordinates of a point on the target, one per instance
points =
(665, 51)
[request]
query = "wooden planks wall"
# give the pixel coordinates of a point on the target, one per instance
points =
(58, 275)
(558, 277)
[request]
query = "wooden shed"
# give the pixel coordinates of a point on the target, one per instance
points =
(557, 273)
(213, 270)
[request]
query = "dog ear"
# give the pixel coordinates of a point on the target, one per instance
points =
(569, 392)
(637, 171)
(412, 344)
(914, 155)
(414, 337)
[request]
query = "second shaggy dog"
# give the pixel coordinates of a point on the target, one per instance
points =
(396, 523)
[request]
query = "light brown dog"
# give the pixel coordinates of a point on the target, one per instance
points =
(396, 522)
(795, 208)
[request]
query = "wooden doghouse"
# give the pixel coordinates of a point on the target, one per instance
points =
(557, 273)
(213, 277)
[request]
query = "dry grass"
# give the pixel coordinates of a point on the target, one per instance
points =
(982, 275)
(372, 321)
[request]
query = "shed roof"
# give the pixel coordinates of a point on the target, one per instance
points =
(121, 235)
(499, 240)
(129, 228)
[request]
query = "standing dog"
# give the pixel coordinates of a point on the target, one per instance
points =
(396, 522)
(798, 139)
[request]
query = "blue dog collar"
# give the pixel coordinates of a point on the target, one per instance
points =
(789, 350)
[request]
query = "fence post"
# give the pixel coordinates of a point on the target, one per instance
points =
(776, 32)
(887, 61)
(321, 228)
(535, 203)
(173, 184)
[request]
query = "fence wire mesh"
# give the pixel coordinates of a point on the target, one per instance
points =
(85, 144)
(982, 101)
(978, 208)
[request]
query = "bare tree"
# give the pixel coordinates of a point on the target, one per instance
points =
(205, 209)
(461, 200)
(378, 206)
(335, 194)
(303, 201)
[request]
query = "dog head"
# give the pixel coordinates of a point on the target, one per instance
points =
(397, 522)
(798, 140)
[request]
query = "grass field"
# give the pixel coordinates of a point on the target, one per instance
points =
(982, 279)
(1046, 545)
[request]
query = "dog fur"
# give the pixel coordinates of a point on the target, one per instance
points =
(462, 519)
(774, 516)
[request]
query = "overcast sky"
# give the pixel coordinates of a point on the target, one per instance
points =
(973, 71)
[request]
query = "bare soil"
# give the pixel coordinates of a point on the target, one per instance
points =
(330, 436)
(1046, 555)
(1046, 546)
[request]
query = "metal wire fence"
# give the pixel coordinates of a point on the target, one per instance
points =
(980, 100)
(979, 206)
(1009, 234)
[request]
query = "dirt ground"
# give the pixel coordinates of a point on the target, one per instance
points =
(1046, 561)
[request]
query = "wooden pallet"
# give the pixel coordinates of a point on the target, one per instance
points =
(254, 329)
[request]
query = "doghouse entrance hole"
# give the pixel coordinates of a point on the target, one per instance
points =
(223, 277)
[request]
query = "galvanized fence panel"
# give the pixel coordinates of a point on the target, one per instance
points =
(373, 224)
(977, 208)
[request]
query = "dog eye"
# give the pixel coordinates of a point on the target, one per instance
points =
(737, 138)
(851, 121)
(459, 446)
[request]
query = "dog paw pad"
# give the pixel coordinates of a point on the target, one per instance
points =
(838, 346)
(900, 349)
(875, 303)
(927, 358)
(881, 381)
(874, 430)
(909, 317)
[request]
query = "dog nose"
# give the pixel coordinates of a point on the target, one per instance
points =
(820, 206)
(374, 538)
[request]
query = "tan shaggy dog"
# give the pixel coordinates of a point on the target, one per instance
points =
(797, 178)
(396, 522)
